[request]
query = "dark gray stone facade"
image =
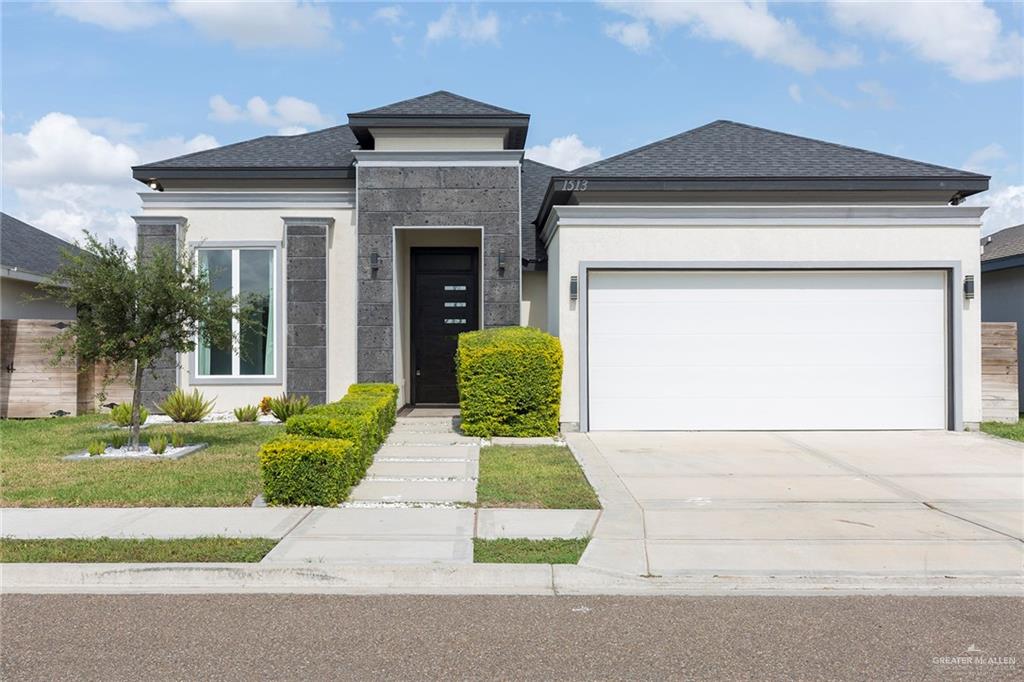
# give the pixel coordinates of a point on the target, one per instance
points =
(306, 247)
(162, 377)
(426, 196)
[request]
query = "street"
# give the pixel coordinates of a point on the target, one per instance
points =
(244, 637)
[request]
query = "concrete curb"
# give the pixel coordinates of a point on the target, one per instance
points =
(517, 579)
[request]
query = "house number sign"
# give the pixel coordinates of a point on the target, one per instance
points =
(574, 185)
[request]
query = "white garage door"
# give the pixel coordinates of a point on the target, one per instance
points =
(766, 350)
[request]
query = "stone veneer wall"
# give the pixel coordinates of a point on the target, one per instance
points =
(306, 247)
(429, 196)
(162, 378)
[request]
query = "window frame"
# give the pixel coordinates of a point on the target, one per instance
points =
(236, 377)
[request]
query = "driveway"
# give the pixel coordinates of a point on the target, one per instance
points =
(906, 503)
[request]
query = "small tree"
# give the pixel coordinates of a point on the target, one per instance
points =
(131, 309)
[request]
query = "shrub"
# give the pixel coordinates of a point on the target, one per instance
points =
(96, 448)
(122, 414)
(186, 407)
(248, 413)
(178, 439)
(510, 382)
(307, 471)
(288, 405)
(158, 444)
(265, 404)
(118, 439)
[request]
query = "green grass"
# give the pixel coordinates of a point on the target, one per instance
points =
(520, 551)
(108, 550)
(32, 474)
(1011, 431)
(538, 477)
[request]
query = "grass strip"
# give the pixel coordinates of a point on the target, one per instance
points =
(537, 477)
(1011, 431)
(111, 550)
(521, 551)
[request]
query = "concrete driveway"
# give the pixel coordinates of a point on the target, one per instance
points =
(907, 503)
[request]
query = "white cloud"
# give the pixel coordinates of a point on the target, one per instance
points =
(633, 35)
(878, 93)
(748, 24)
(115, 15)
(981, 160)
(832, 98)
(795, 94)
(468, 27)
(1006, 207)
(290, 114)
(965, 36)
(277, 23)
(392, 14)
(67, 177)
(567, 152)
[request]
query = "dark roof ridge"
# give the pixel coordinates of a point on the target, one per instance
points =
(494, 109)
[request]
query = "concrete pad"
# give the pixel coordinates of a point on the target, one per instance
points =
(453, 452)
(380, 523)
(724, 464)
(690, 443)
(963, 487)
(149, 522)
(423, 426)
(620, 523)
(526, 442)
(619, 556)
(372, 550)
(400, 438)
(414, 491)
(812, 522)
(1007, 518)
(902, 557)
(535, 524)
(788, 488)
(432, 469)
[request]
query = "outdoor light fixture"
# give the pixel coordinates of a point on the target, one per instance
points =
(574, 288)
(154, 185)
(374, 261)
(969, 287)
(501, 260)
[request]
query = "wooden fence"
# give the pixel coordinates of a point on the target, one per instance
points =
(32, 386)
(999, 395)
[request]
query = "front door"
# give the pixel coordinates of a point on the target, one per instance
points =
(444, 303)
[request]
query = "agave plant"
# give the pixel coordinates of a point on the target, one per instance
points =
(247, 413)
(96, 448)
(122, 414)
(158, 444)
(288, 405)
(186, 407)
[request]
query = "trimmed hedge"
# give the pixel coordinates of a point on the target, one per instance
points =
(361, 420)
(510, 382)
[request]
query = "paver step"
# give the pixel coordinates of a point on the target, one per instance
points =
(414, 491)
(405, 438)
(429, 452)
(424, 469)
(417, 426)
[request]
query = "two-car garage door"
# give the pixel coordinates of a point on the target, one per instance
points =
(767, 349)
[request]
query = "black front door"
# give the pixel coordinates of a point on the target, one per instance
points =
(444, 303)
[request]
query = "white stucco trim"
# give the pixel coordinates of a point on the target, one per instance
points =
(247, 200)
(490, 158)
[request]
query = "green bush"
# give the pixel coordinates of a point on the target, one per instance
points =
(122, 414)
(118, 439)
(510, 382)
(247, 413)
(288, 405)
(307, 471)
(157, 444)
(186, 407)
(96, 448)
(177, 439)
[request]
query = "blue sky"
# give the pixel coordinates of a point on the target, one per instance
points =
(90, 88)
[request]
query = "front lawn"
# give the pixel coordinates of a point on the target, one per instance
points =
(1011, 431)
(109, 550)
(32, 474)
(537, 477)
(521, 551)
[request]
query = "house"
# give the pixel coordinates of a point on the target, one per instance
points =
(29, 256)
(1002, 286)
(729, 277)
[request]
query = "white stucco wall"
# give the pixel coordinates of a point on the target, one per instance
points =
(1002, 300)
(437, 139)
(912, 235)
(242, 225)
(20, 300)
(533, 310)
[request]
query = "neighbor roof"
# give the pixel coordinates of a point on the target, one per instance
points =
(28, 249)
(1003, 249)
(534, 184)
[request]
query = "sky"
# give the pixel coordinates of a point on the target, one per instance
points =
(91, 88)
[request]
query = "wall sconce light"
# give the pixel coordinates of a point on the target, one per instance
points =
(574, 288)
(969, 287)
(374, 261)
(501, 260)
(154, 185)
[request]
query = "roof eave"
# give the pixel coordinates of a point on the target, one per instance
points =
(1004, 263)
(146, 174)
(517, 125)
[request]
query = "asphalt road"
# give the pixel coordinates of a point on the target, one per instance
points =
(319, 637)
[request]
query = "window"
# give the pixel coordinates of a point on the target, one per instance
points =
(249, 274)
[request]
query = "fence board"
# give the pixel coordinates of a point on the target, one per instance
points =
(999, 395)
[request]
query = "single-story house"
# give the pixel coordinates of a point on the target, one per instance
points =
(729, 277)
(1002, 286)
(29, 256)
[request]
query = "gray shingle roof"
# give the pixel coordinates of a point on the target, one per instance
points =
(328, 148)
(535, 180)
(725, 149)
(1005, 243)
(440, 103)
(28, 248)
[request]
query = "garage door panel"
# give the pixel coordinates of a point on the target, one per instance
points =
(767, 350)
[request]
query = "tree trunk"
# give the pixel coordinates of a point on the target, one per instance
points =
(136, 405)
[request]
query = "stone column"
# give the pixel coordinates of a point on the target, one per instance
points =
(306, 242)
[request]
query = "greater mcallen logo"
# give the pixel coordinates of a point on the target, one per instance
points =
(973, 656)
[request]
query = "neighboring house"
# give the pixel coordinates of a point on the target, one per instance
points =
(729, 277)
(27, 257)
(1002, 286)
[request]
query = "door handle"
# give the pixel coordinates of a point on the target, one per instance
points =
(417, 372)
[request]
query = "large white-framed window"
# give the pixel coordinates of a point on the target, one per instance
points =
(251, 274)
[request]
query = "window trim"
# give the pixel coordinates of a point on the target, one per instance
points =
(196, 379)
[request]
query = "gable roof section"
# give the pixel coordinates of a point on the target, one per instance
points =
(535, 179)
(1003, 249)
(28, 249)
(321, 154)
(440, 103)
